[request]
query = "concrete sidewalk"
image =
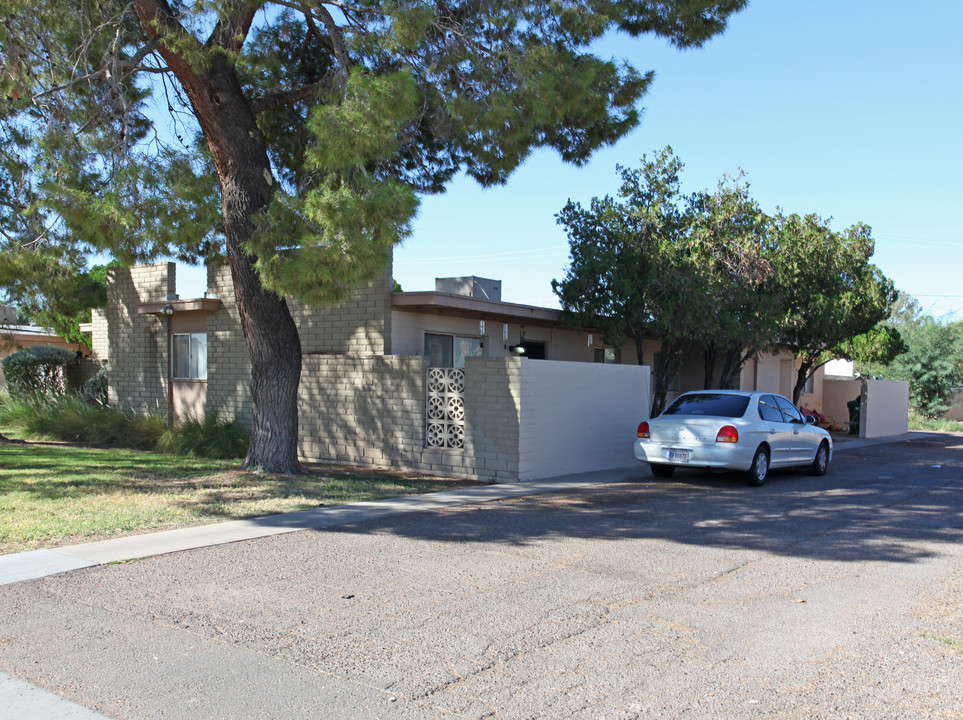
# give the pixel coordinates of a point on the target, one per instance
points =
(40, 563)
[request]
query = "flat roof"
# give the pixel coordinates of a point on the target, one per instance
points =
(438, 303)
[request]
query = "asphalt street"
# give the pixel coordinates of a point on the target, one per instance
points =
(693, 597)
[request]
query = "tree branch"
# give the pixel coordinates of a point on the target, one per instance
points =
(231, 31)
(289, 97)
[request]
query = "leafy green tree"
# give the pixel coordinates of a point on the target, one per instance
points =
(930, 357)
(629, 273)
(731, 251)
(933, 364)
(829, 292)
(299, 135)
(64, 301)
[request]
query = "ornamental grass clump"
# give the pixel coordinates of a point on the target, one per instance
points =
(209, 438)
(70, 418)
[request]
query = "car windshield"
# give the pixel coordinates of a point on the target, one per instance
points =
(711, 404)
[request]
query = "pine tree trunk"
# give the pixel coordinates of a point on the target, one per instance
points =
(270, 333)
(240, 158)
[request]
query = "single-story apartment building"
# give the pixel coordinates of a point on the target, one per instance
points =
(453, 380)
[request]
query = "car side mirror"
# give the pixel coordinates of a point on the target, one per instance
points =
(809, 419)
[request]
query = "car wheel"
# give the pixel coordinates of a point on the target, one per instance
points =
(662, 470)
(821, 461)
(759, 470)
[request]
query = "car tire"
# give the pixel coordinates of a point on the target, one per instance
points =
(662, 471)
(759, 470)
(821, 461)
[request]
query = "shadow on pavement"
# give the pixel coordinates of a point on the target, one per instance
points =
(886, 502)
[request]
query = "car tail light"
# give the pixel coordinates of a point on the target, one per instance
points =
(643, 430)
(727, 434)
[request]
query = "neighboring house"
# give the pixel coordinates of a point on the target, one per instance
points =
(431, 381)
(15, 337)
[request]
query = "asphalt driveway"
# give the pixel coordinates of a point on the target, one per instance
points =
(696, 597)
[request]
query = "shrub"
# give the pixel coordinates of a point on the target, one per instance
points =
(209, 438)
(37, 370)
(71, 418)
(95, 389)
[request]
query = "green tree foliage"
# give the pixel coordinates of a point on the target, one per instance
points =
(37, 370)
(291, 138)
(830, 293)
(62, 301)
(691, 271)
(627, 257)
(930, 357)
(711, 272)
(731, 252)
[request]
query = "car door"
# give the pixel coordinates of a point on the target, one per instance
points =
(778, 431)
(802, 436)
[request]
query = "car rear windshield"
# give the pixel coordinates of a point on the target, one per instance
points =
(711, 404)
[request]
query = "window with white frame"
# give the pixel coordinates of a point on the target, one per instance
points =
(189, 356)
(808, 387)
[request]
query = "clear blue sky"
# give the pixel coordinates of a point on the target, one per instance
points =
(850, 109)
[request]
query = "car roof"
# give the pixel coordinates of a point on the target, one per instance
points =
(740, 393)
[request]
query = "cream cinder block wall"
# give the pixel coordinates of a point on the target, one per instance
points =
(956, 407)
(493, 402)
(228, 362)
(99, 339)
(836, 395)
(359, 326)
(137, 344)
(371, 410)
(578, 417)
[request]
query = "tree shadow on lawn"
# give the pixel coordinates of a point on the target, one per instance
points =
(887, 503)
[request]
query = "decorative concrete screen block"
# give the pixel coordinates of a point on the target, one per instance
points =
(445, 408)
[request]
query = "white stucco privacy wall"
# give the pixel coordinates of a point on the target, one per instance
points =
(577, 417)
(885, 407)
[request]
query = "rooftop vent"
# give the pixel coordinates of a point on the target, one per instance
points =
(471, 286)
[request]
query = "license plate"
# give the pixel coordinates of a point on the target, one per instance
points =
(677, 455)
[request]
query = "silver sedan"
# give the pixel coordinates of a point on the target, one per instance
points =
(750, 432)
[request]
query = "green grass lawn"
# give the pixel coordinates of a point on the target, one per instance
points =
(52, 495)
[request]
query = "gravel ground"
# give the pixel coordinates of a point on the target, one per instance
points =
(698, 597)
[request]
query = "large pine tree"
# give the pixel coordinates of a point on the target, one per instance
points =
(315, 124)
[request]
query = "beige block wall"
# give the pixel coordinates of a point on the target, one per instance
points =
(228, 362)
(371, 410)
(137, 346)
(99, 339)
(358, 326)
(956, 410)
(836, 395)
(886, 408)
(493, 403)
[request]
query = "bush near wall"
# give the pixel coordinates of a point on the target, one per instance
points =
(71, 418)
(37, 370)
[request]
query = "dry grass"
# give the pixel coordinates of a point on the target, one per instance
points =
(56, 494)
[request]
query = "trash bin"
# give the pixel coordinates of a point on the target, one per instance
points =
(853, 406)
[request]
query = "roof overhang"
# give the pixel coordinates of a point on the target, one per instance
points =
(436, 303)
(169, 307)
